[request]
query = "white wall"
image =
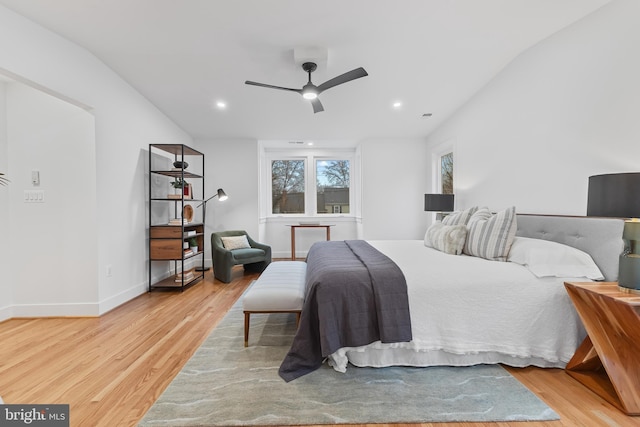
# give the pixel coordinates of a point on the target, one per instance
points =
(231, 164)
(561, 111)
(125, 123)
(394, 181)
(53, 244)
(6, 292)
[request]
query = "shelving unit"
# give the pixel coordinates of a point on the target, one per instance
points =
(169, 232)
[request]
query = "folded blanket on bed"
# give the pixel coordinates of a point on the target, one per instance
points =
(355, 295)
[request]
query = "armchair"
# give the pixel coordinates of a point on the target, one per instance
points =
(254, 258)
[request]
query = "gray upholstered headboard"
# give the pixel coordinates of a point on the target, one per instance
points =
(599, 237)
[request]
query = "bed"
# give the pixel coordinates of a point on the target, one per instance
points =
(464, 310)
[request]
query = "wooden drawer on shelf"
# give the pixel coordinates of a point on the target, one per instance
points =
(165, 232)
(166, 249)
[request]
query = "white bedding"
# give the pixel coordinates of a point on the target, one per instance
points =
(467, 310)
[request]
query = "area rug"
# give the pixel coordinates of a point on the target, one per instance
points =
(226, 384)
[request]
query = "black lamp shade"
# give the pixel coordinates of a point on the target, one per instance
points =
(222, 196)
(438, 202)
(614, 195)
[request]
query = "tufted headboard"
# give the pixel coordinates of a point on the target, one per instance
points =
(599, 237)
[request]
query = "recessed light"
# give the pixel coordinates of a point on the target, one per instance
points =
(397, 104)
(310, 143)
(221, 105)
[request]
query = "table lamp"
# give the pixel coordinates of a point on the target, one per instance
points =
(618, 195)
(438, 203)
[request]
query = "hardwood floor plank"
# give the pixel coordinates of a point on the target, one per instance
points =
(111, 369)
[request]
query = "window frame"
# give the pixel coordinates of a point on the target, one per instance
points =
(310, 157)
(437, 152)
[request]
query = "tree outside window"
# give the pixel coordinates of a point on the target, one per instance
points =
(332, 186)
(446, 173)
(287, 186)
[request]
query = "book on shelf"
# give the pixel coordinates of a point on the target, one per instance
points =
(186, 276)
(188, 191)
(190, 233)
(178, 221)
(188, 252)
(174, 196)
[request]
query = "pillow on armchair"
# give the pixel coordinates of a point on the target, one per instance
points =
(235, 242)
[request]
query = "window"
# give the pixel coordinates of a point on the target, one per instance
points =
(332, 186)
(446, 173)
(308, 182)
(287, 186)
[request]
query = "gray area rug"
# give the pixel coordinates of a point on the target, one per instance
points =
(226, 384)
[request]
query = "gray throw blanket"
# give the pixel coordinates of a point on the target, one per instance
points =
(355, 295)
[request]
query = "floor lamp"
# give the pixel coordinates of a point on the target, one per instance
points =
(222, 196)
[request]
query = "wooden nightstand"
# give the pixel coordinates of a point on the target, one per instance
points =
(608, 360)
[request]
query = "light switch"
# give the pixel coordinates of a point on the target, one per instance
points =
(34, 196)
(35, 177)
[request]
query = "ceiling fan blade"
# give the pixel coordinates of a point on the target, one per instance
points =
(343, 78)
(273, 87)
(317, 105)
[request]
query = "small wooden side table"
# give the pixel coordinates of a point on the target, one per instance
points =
(608, 360)
(293, 234)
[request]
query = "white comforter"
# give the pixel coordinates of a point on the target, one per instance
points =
(467, 310)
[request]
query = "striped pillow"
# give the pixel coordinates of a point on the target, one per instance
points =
(491, 235)
(446, 238)
(459, 218)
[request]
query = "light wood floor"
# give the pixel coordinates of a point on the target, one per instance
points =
(111, 369)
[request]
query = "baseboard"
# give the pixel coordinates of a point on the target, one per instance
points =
(56, 310)
(6, 313)
(123, 297)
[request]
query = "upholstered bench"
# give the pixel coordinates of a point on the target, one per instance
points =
(279, 289)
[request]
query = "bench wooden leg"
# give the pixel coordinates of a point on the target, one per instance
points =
(298, 314)
(246, 328)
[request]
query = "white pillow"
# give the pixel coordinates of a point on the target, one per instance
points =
(446, 238)
(490, 235)
(235, 242)
(459, 218)
(427, 242)
(545, 258)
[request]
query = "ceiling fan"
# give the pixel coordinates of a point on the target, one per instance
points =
(311, 91)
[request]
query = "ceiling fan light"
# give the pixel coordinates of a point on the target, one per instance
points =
(309, 94)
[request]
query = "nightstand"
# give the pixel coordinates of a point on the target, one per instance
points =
(608, 360)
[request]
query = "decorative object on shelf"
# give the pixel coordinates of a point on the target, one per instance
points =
(182, 187)
(440, 203)
(187, 190)
(3, 180)
(178, 182)
(222, 196)
(193, 245)
(180, 164)
(618, 195)
(187, 213)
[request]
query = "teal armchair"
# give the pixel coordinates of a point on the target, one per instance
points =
(254, 258)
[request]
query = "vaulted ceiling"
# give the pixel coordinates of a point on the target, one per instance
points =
(186, 56)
